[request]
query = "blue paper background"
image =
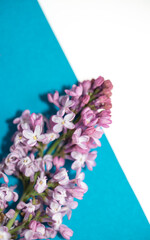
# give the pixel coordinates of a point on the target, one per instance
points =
(31, 64)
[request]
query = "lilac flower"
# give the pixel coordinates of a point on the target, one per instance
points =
(54, 98)
(86, 86)
(2, 175)
(33, 137)
(100, 101)
(79, 160)
(69, 205)
(104, 118)
(103, 102)
(17, 152)
(108, 84)
(76, 192)
(79, 179)
(61, 177)
(50, 196)
(3, 203)
(46, 160)
(76, 91)
(88, 117)
(57, 219)
(65, 232)
(10, 214)
(23, 121)
(12, 159)
(98, 82)
(36, 119)
(7, 195)
(63, 122)
(59, 194)
(80, 139)
(49, 137)
(36, 231)
(75, 148)
(54, 208)
(90, 161)
(17, 138)
(27, 166)
(106, 88)
(40, 228)
(58, 162)
(28, 208)
(85, 99)
(41, 184)
(10, 169)
(95, 134)
(66, 104)
(30, 235)
(50, 233)
(4, 234)
(8, 192)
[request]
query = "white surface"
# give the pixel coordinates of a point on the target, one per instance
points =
(112, 39)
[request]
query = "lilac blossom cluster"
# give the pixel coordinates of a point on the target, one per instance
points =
(41, 148)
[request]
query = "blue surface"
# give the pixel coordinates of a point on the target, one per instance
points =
(31, 64)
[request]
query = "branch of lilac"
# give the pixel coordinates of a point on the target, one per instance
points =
(41, 147)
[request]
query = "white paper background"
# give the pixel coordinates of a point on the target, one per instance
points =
(112, 39)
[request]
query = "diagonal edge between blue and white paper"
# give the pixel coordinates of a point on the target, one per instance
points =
(32, 63)
(111, 38)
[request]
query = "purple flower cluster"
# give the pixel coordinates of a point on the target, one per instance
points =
(41, 147)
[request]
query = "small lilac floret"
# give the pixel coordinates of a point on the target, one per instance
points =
(66, 105)
(80, 139)
(79, 160)
(33, 137)
(65, 232)
(63, 122)
(61, 177)
(4, 234)
(41, 184)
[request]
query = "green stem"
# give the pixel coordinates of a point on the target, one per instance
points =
(24, 198)
(27, 194)
(17, 228)
(55, 144)
(22, 225)
(37, 215)
(11, 221)
(41, 149)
